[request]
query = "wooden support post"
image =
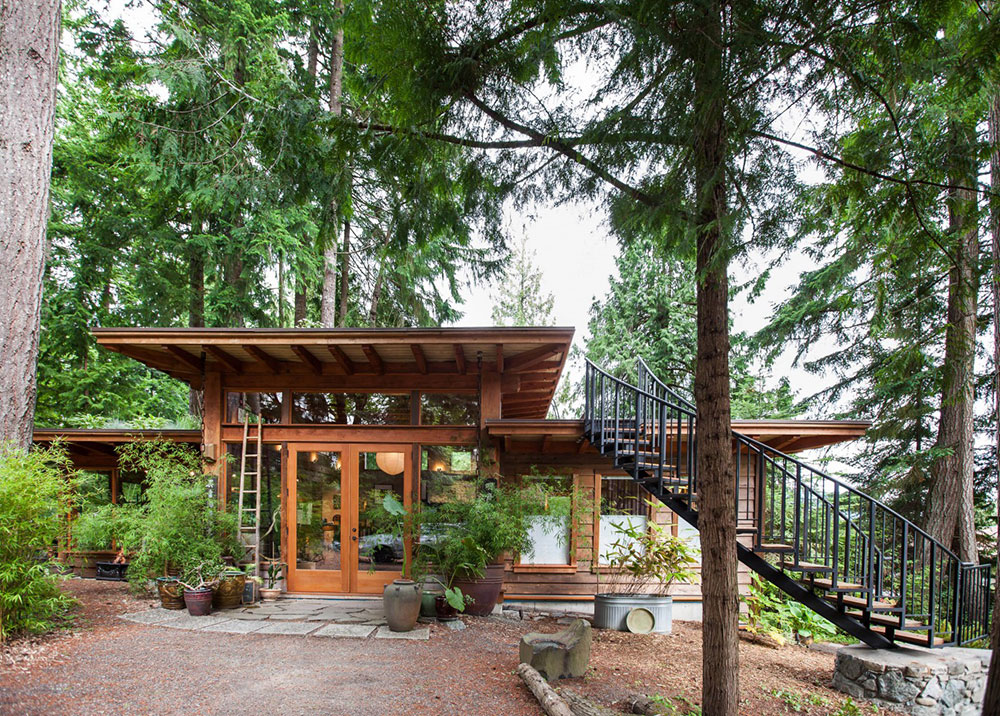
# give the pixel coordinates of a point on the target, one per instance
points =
(211, 445)
(490, 408)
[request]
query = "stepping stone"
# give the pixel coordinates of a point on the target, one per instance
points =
(297, 628)
(287, 617)
(250, 616)
(352, 631)
(457, 625)
(234, 626)
(376, 622)
(422, 634)
(152, 616)
(193, 623)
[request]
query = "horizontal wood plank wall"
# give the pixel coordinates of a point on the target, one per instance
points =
(583, 583)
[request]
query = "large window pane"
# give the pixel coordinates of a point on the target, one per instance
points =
(379, 472)
(266, 405)
(270, 496)
(448, 409)
(550, 530)
(318, 510)
(623, 503)
(352, 408)
(93, 491)
(447, 473)
(131, 487)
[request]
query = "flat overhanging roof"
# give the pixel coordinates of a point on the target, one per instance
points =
(534, 356)
(788, 436)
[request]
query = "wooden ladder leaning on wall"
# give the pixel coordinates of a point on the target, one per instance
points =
(249, 533)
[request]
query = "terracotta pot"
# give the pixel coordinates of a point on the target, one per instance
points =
(229, 593)
(485, 590)
(444, 611)
(171, 593)
(198, 601)
(401, 601)
(270, 595)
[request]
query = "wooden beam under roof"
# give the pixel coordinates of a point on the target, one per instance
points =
(232, 362)
(499, 357)
(526, 397)
(345, 363)
(534, 356)
(308, 358)
(374, 359)
(266, 359)
(183, 356)
(419, 357)
(459, 357)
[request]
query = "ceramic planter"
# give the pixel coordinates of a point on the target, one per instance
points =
(444, 611)
(485, 590)
(229, 593)
(401, 601)
(611, 610)
(270, 595)
(198, 601)
(171, 593)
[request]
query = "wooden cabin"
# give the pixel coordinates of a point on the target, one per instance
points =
(414, 411)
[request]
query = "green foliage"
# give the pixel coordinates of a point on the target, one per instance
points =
(176, 524)
(799, 703)
(772, 612)
(387, 516)
(34, 500)
(521, 301)
(645, 556)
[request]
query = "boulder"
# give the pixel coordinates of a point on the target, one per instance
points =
(564, 654)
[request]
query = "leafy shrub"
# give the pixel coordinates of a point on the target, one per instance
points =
(176, 525)
(34, 499)
(771, 611)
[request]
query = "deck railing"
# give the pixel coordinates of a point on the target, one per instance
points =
(845, 541)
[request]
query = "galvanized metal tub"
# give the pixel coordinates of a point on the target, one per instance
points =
(611, 610)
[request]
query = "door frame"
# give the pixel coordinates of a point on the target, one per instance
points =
(352, 578)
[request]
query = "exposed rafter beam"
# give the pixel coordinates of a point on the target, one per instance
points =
(419, 357)
(232, 362)
(533, 357)
(183, 356)
(374, 359)
(459, 357)
(346, 364)
(258, 354)
(308, 358)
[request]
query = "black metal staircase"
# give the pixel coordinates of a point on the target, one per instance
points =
(843, 554)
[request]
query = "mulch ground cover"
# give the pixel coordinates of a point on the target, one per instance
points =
(103, 665)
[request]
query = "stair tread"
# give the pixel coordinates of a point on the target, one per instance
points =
(889, 620)
(806, 566)
(859, 602)
(841, 585)
(774, 547)
(908, 637)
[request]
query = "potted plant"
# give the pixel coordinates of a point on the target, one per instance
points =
(495, 522)
(392, 521)
(198, 588)
(642, 563)
(273, 575)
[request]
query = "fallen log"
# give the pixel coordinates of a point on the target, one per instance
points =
(645, 706)
(581, 706)
(550, 701)
(771, 642)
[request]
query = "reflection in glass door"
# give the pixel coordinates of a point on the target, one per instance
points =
(380, 555)
(317, 527)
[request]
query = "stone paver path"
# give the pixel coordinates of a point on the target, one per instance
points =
(339, 618)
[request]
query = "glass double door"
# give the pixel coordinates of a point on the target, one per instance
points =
(332, 547)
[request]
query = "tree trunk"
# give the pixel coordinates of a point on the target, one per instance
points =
(196, 300)
(991, 700)
(345, 273)
(29, 60)
(717, 497)
(328, 300)
(950, 517)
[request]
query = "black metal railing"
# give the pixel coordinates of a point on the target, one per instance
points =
(847, 541)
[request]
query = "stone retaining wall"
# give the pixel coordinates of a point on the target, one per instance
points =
(924, 682)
